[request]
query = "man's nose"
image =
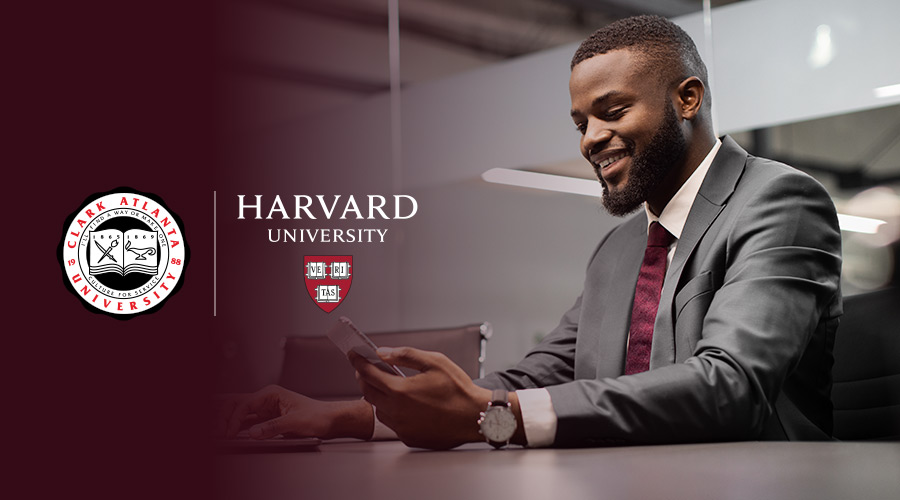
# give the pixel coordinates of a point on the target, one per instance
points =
(596, 136)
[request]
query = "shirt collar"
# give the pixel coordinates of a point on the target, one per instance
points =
(675, 214)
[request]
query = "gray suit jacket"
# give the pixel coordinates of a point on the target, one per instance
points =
(742, 341)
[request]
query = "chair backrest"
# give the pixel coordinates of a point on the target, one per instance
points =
(315, 367)
(866, 373)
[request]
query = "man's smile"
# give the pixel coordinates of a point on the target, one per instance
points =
(607, 165)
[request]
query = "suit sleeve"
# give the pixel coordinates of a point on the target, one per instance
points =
(782, 270)
(552, 362)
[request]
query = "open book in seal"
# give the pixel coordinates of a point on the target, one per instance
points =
(131, 251)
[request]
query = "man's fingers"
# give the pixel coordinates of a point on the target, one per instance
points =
(234, 422)
(255, 405)
(370, 374)
(269, 428)
(236, 418)
(409, 357)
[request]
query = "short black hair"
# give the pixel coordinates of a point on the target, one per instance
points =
(660, 41)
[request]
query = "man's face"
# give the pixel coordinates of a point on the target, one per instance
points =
(630, 132)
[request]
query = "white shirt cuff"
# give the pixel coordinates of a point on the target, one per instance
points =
(381, 432)
(538, 417)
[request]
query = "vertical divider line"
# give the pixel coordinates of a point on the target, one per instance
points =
(214, 254)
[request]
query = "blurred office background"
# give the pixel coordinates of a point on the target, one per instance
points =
(474, 99)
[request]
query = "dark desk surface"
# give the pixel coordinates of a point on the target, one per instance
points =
(732, 471)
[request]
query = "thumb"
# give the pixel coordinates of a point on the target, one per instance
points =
(268, 429)
(408, 357)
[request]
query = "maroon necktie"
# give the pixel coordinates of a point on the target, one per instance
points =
(646, 299)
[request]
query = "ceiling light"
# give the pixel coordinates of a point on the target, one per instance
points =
(547, 182)
(859, 224)
(887, 91)
(822, 51)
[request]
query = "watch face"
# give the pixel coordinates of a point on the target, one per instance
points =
(499, 424)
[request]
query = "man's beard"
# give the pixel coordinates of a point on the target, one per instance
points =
(649, 167)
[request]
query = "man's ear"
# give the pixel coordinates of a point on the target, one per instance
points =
(690, 94)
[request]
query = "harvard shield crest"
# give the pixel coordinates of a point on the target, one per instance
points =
(328, 279)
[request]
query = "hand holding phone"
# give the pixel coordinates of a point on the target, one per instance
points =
(348, 338)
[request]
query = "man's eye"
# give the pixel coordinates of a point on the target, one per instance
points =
(581, 127)
(615, 113)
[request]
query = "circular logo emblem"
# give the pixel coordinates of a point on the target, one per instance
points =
(123, 253)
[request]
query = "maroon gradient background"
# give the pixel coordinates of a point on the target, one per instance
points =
(102, 94)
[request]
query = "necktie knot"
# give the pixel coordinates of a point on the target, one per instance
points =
(658, 236)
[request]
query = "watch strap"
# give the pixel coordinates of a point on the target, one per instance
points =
(500, 397)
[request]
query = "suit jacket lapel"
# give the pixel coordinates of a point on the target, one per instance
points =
(612, 329)
(715, 190)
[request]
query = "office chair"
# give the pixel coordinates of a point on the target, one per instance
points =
(866, 373)
(313, 366)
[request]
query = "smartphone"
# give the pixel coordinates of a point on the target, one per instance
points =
(348, 338)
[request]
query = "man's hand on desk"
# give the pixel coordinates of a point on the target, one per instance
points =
(437, 408)
(275, 410)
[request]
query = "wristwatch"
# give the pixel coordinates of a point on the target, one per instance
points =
(497, 422)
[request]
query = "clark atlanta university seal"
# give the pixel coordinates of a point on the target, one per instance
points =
(123, 253)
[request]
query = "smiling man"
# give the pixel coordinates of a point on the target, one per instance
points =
(616, 107)
(708, 316)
